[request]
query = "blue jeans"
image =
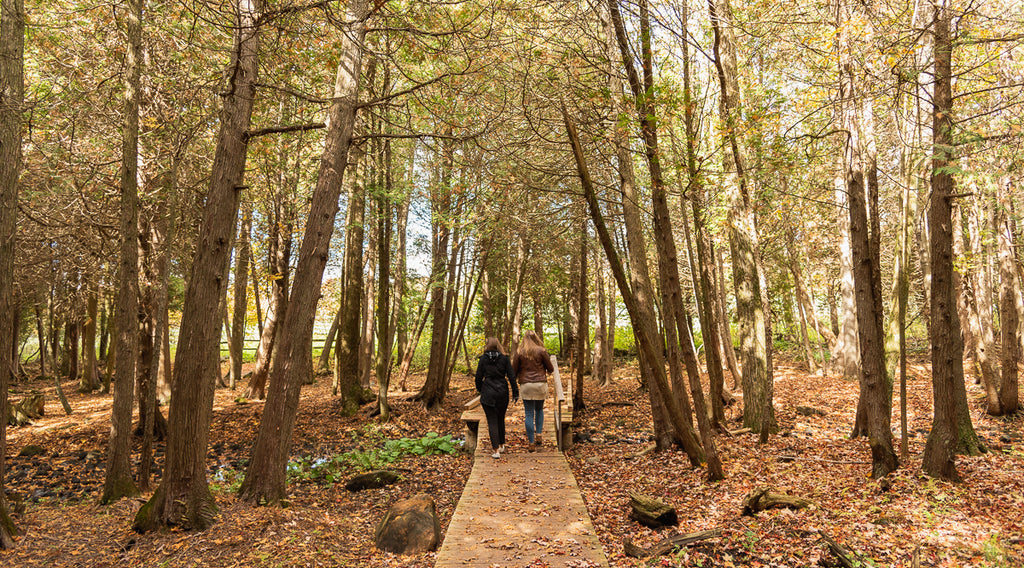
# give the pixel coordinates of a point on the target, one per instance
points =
(534, 418)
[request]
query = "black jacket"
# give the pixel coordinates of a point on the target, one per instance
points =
(493, 376)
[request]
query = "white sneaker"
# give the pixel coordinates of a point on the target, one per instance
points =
(501, 449)
(496, 455)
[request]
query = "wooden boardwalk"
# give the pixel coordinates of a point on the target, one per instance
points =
(524, 509)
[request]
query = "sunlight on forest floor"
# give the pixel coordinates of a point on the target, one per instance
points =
(973, 523)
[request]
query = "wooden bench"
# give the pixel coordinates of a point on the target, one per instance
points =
(560, 413)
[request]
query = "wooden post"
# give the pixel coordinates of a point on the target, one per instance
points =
(559, 399)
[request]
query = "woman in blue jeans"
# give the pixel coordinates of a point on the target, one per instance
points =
(531, 365)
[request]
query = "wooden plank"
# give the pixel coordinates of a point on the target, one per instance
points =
(502, 521)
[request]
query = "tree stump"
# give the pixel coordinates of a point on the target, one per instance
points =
(372, 480)
(26, 409)
(651, 512)
(765, 497)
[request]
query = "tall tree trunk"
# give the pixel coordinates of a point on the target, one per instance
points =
(119, 482)
(728, 351)
(265, 479)
(183, 497)
(332, 334)
(1009, 295)
(367, 321)
(678, 334)
(279, 259)
(435, 386)
(948, 393)
(165, 227)
(91, 370)
(346, 353)
(602, 350)
(874, 407)
(236, 347)
(638, 304)
(401, 326)
(846, 352)
(146, 369)
(384, 330)
(12, 89)
(758, 410)
(582, 321)
(980, 301)
(704, 274)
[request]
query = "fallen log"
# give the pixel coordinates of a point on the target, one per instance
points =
(667, 545)
(650, 448)
(651, 512)
(372, 480)
(838, 551)
(765, 497)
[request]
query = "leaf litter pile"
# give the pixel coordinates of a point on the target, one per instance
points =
(893, 522)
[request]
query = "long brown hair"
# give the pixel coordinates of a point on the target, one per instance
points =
(531, 344)
(493, 345)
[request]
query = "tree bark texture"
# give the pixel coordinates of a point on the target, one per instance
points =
(947, 346)
(582, 321)
(1009, 295)
(638, 303)
(12, 89)
(241, 296)
(874, 409)
(279, 259)
(183, 497)
(346, 353)
(265, 479)
(758, 410)
(435, 386)
(118, 482)
(367, 321)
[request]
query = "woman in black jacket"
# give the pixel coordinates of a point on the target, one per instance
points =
(493, 377)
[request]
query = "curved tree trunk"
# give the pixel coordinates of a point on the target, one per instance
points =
(183, 497)
(640, 313)
(265, 479)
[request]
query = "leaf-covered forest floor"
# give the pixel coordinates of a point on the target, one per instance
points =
(977, 522)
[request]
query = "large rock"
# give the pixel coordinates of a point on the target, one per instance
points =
(410, 527)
